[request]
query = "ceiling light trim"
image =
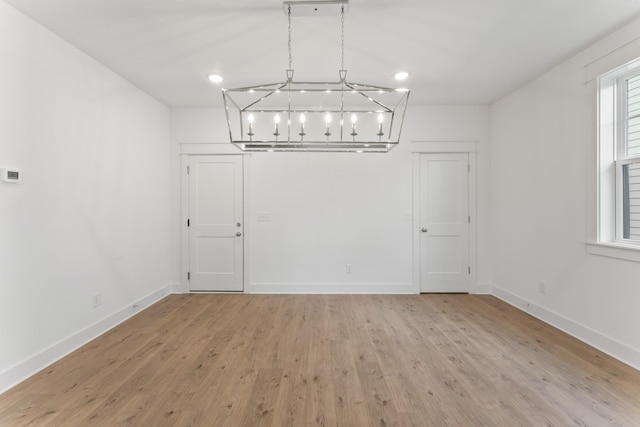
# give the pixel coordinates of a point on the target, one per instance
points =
(315, 8)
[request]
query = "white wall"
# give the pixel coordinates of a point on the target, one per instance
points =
(332, 209)
(542, 182)
(92, 213)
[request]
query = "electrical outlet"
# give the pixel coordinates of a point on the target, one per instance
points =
(349, 269)
(542, 287)
(97, 299)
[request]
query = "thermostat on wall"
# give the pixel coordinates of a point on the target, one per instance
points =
(12, 175)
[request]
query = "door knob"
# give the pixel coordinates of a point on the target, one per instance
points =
(424, 230)
(238, 234)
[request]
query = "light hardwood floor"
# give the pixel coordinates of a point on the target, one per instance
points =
(349, 360)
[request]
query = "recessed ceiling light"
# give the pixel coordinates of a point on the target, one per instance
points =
(215, 78)
(401, 75)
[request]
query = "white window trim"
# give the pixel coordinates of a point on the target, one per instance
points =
(614, 250)
(608, 180)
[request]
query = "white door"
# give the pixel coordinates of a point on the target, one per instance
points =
(215, 223)
(444, 222)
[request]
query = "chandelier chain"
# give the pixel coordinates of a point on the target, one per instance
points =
(342, 38)
(289, 15)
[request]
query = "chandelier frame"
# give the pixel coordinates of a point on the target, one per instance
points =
(376, 114)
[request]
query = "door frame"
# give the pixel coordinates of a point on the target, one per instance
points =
(186, 152)
(445, 147)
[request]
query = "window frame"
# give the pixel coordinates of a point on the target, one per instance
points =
(607, 225)
(622, 158)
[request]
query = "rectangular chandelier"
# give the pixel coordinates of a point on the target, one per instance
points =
(331, 116)
(310, 116)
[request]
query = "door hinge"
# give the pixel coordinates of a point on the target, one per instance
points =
(188, 275)
(469, 270)
(468, 168)
(469, 217)
(188, 222)
(188, 170)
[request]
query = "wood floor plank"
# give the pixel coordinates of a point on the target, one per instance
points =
(349, 398)
(329, 360)
(320, 405)
(380, 406)
(259, 407)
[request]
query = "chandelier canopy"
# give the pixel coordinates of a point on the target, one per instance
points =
(315, 116)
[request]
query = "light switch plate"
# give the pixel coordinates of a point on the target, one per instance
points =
(264, 217)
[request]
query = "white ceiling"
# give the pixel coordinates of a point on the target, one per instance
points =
(457, 51)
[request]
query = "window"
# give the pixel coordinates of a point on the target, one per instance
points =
(627, 163)
(618, 200)
(628, 157)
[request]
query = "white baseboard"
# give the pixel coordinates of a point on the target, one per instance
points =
(177, 288)
(348, 288)
(332, 288)
(23, 370)
(610, 346)
(481, 289)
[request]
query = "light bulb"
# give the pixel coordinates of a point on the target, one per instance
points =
(380, 120)
(327, 121)
(276, 131)
(250, 120)
(354, 119)
(302, 120)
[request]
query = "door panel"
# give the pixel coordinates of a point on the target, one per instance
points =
(444, 223)
(216, 243)
(215, 199)
(223, 251)
(443, 254)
